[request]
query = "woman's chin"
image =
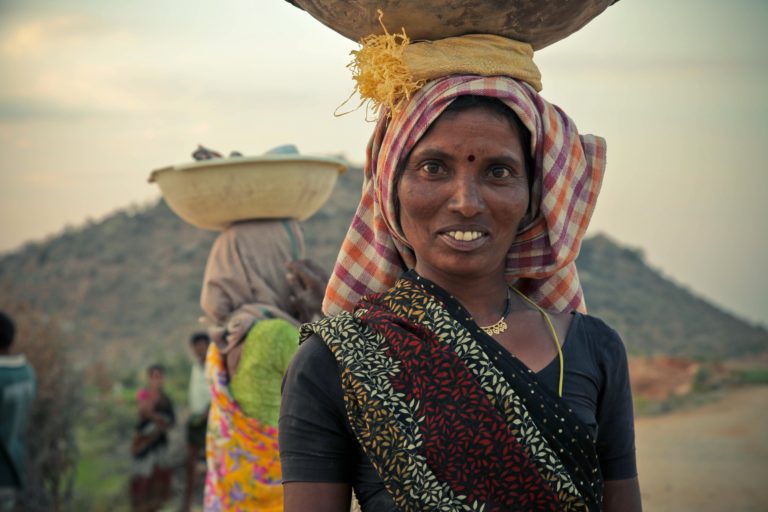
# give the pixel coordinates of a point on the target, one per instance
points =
(466, 268)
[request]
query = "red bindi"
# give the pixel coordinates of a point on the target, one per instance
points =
(471, 158)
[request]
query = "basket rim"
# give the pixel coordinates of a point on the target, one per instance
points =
(360, 28)
(341, 166)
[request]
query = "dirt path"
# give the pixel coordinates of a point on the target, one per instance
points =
(713, 458)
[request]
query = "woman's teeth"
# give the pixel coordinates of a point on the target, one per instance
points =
(465, 236)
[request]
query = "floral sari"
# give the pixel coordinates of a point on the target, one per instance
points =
(242, 452)
(449, 419)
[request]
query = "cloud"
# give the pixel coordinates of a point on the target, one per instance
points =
(15, 110)
(62, 66)
(40, 180)
(32, 37)
(668, 66)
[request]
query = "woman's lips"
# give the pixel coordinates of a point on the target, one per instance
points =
(463, 240)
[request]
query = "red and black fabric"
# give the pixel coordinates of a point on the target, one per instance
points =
(449, 419)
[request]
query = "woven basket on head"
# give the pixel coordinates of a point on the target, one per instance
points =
(212, 194)
(537, 22)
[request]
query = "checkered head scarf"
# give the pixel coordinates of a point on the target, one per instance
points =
(567, 177)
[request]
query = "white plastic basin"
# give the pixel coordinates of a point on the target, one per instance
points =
(212, 194)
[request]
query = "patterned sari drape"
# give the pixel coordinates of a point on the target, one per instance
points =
(448, 421)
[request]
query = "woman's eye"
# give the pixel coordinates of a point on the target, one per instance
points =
(500, 172)
(432, 168)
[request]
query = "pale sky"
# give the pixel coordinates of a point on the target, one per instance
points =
(94, 94)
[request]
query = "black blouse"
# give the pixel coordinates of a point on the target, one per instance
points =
(317, 443)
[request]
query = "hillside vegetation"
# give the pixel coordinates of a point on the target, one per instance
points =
(127, 287)
(655, 315)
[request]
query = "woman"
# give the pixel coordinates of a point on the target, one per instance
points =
(152, 472)
(470, 382)
(256, 291)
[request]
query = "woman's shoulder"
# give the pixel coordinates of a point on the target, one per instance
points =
(330, 326)
(595, 325)
(312, 352)
(312, 384)
(342, 334)
(313, 364)
(602, 339)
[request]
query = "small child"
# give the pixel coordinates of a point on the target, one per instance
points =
(151, 473)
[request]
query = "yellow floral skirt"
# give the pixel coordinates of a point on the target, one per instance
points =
(242, 454)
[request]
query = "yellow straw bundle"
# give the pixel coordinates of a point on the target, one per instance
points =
(388, 69)
(380, 70)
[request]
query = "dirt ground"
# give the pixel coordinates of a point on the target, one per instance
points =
(712, 458)
(659, 377)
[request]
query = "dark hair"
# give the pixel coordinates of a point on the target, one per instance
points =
(199, 336)
(155, 367)
(496, 106)
(7, 331)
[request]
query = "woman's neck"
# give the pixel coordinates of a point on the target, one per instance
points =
(483, 296)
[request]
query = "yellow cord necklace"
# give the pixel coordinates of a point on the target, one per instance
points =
(554, 337)
(501, 326)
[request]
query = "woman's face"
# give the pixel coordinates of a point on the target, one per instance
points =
(156, 378)
(462, 195)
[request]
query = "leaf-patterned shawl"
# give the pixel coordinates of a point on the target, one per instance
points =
(441, 423)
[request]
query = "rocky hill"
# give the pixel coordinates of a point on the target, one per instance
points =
(127, 286)
(653, 313)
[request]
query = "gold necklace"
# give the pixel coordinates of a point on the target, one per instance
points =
(500, 326)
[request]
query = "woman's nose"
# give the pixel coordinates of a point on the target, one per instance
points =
(467, 198)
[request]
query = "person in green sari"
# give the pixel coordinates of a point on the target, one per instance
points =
(257, 288)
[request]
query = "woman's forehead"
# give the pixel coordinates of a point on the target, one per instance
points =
(469, 121)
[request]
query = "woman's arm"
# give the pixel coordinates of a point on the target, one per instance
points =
(616, 433)
(622, 496)
(140, 442)
(318, 497)
(307, 281)
(317, 449)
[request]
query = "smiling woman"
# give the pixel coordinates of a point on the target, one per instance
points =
(441, 384)
(464, 192)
